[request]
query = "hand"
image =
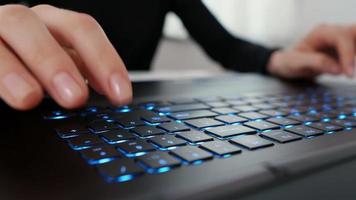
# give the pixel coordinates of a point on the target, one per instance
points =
(327, 49)
(52, 49)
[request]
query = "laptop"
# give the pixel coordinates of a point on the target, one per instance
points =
(215, 138)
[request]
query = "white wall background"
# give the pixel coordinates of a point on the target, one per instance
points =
(272, 22)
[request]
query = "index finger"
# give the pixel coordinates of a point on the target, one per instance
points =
(103, 65)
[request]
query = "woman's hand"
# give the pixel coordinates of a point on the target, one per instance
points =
(327, 49)
(56, 50)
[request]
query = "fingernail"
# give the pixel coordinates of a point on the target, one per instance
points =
(119, 87)
(17, 86)
(67, 88)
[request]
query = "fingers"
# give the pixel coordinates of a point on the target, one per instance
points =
(320, 63)
(299, 64)
(345, 44)
(17, 87)
(339, 38)
(103, 66)
(22, 30)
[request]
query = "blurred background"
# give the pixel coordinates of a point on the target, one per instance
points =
(274, 23)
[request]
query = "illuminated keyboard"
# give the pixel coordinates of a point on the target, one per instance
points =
(128, 142)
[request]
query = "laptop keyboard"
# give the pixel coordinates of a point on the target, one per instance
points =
(149, 138)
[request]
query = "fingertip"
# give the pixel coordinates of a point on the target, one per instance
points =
(120, 90)
(29, 100)
(68, 92)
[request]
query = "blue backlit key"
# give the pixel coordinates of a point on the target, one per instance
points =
(251, 142)
(179, 108)
(253, 115)
(166, 141)
(158, 162)
(194, 136)
(344, 122)
(203, 123)
(191, 153)
(231, 119)
(130, 122)
(145, 131)
(305, 131)
(283, 121)
(261, 125)
(324, 126)
(120, 170)
(84, 142)
(156, 119)
(281, 136)
(100, 154)
(174, 127)
(71, 130)
(117, 136)
(135, 148)
(98, 126)
(230, 130)
(193, 114)
(225, 111)
(220, 148)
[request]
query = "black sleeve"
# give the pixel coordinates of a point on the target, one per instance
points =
(233, 53)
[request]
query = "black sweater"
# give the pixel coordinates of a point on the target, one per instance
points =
(135, 28)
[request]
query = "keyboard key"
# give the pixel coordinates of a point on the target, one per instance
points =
(237, 103)
(264, 106)
(344, 122)
(191, 153)
(303, 118)
(203, 123)
(281, 136)
(246, 108)
(180, 108)
(304, 131)
(58, 115)
(230, 130)
(98, 126)
(145, 131)
(84, 142)
(253, 115)
(217, 104)
(252, 142)
(120, 170)
(193, 114)
(225, 111)
(130, 122)
(283, 121)
(220, 148)
(100, 155)
(71, 130)
(183, 101)
(166, 141)
(117, 136)
(261, 125)
(134, 147)
(231, 119)
(158, 160)
(156, 119)
(194, 136)
(325, 126)
(174, 127)
(273, 113)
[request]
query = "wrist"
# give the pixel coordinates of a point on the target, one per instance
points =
(274, 63)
